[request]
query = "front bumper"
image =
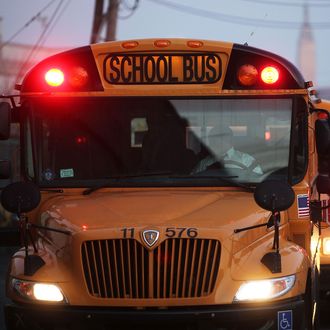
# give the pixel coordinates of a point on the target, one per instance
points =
(277, 315)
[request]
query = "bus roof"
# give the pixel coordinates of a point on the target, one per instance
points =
(162, 67)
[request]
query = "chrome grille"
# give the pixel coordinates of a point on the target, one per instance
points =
(177, 268)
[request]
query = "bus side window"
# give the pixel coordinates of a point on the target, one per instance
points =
(139, 128)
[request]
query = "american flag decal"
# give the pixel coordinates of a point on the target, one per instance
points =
(303, 205)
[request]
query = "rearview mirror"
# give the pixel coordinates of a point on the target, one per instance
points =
(4, 120)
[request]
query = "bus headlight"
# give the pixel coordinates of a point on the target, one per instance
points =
(46, 292)
(264, 289)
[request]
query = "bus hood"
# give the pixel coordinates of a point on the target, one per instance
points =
(208, 209)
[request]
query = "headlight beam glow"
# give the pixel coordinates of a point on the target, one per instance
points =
(264, 289)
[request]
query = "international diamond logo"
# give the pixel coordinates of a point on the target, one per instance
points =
(150, 237)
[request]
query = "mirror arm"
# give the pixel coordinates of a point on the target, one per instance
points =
(31, 262)
(250, 227)
(66, 232)
(276, 221)
(268, 224)
(272, 260)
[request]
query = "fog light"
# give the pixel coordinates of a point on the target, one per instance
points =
(264, 289)
(38, 291)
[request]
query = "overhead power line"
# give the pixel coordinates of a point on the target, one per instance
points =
(318, 3)
(131, 8)
(41, 38)
(32, 19)
(53, 24)
(237, 19)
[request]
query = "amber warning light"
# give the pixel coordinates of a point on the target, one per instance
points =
(247, 75)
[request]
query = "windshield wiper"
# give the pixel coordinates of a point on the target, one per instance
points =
(59, 191)
(170, 175)
(120, 177)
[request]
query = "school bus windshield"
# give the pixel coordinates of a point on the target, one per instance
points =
(158, 141)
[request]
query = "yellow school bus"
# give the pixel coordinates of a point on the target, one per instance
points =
(166, 183)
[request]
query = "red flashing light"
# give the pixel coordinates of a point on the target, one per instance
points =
(270, 75)
(268, 136)
(322, 115)
(80, 139)
(84, 227)
(54, 77)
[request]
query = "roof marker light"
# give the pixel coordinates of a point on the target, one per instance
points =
(129, 44)
(162, 43)
(270, 75)
(194, 43)
(54, 77)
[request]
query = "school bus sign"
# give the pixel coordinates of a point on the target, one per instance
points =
(162, 68)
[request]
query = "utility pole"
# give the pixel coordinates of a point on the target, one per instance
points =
(107, 18)
(112, 15)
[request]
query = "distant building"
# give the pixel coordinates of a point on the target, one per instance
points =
(306, 49)
(306, 55)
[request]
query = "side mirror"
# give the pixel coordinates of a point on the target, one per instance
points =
(5, 120)
(274, 195)
(5, 169)
(20, 197)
